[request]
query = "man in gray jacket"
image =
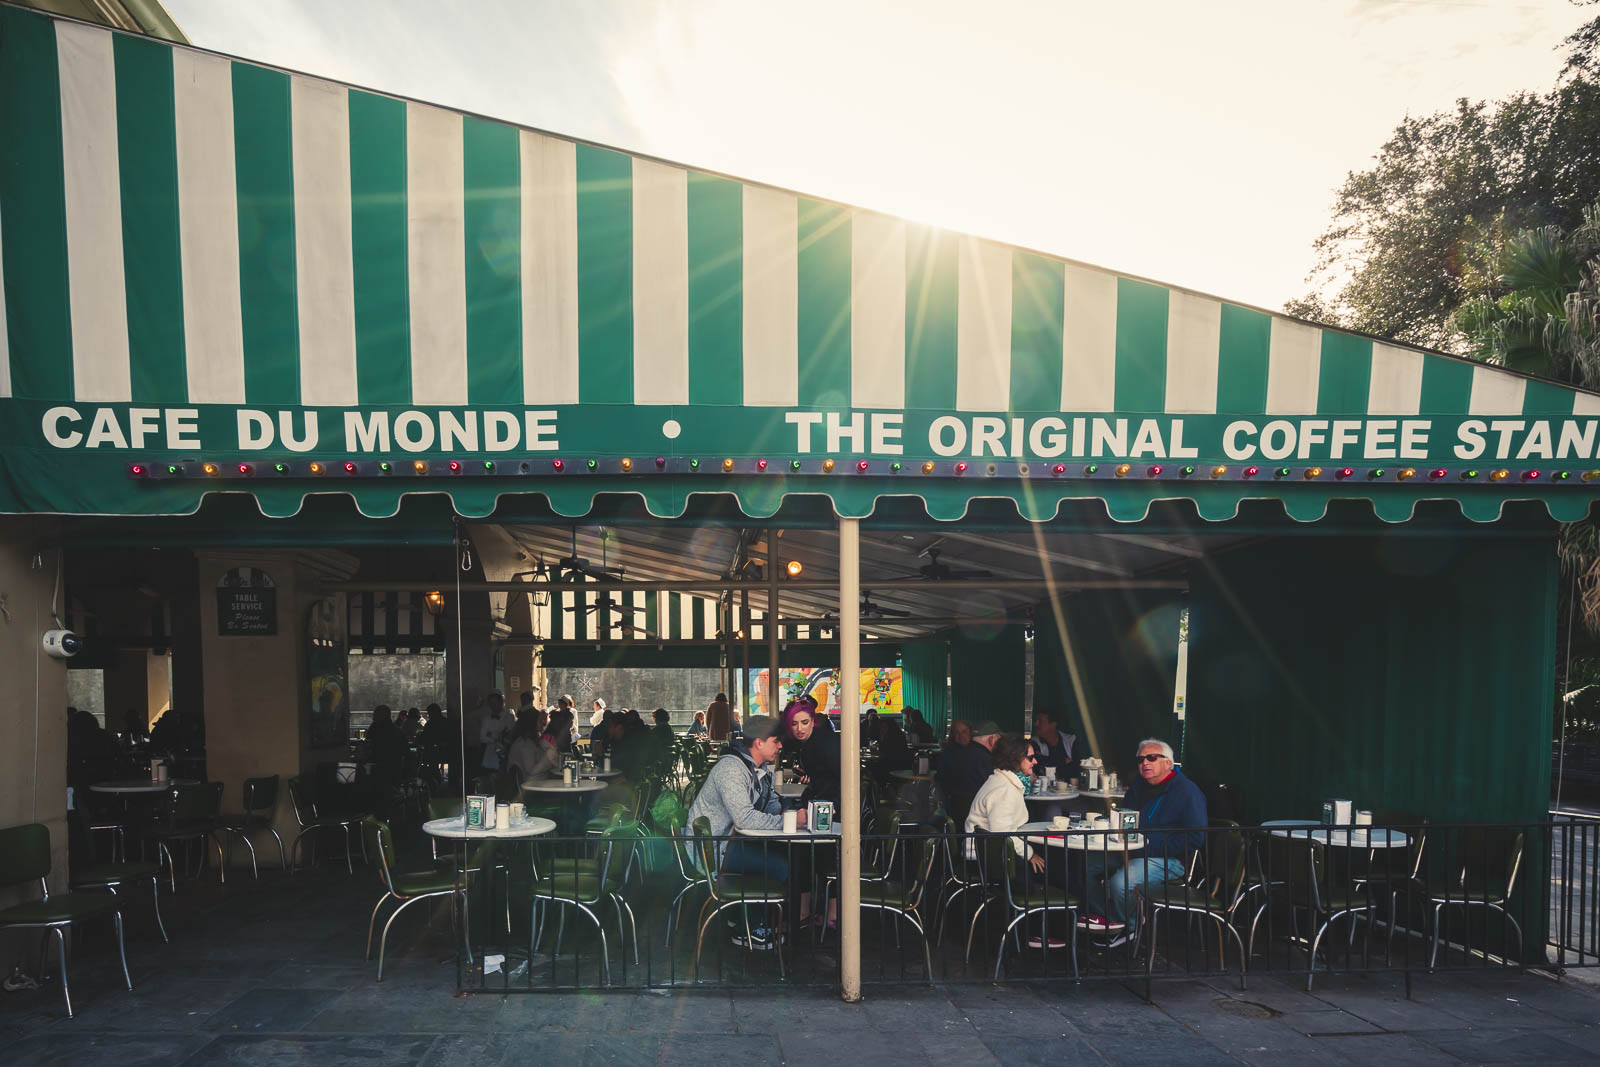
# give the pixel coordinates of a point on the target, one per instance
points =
(738, 796)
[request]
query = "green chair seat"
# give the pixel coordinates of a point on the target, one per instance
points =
(418, 883)
(1036, 895)
(890, 894)
(61, 908)
(102, 874)
(569, 885)
(751, 887)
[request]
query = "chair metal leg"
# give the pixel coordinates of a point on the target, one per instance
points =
(61, 948)
(999, 957)
(155, 897)
(383, 942)
(373, 922)
(972, 930)
(122, 951)
(255, 872)
(172, 871)
(348, 865)
(283, 862)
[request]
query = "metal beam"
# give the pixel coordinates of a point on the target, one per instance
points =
(719, 585)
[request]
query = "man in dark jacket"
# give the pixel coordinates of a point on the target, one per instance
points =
(1052, 748)
(964, 765)
(1172, 818)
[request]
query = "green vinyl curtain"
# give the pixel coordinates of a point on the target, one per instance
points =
(1124, 643)
(987, 677)
(924, 681)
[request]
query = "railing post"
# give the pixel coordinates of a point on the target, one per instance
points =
(850, 757)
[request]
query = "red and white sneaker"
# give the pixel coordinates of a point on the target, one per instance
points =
(1098, 924)
(1055, 942)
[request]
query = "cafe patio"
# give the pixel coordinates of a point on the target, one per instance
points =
(277, 351)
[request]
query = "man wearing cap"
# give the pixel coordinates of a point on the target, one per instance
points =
(964, 765)
(599, 715)
(738, 795)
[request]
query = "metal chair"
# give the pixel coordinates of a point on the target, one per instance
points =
(190, 816)
(586, 884)
(957, 880)
(114, 875)
(885, 834)
(734, 890)
(1211, 890)
(693, 878)
(1310, 887)
(312, 822)
(1491, 861)
(905, 901)
(1034, 896)
(260, 799)
(407, 889)
(25, 857)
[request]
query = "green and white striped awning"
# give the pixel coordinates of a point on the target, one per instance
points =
(210, 261)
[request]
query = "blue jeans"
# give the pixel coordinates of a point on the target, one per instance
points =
(757, 860)
(1114, 898)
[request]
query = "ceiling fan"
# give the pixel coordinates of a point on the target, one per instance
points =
(575, 568)
(607, 604)
(933, 570)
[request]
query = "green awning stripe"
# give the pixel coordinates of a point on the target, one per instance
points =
(823, 267)
(267, 287)
(378, 244)
(716, 306)
(1242, 360)
(1344, 374)
(493, 190)
(148, 159)
(1544, 398)
(1038, 310)
(932, 278)
(1141, 377)
(1446, 387)
(605, 276)
(33, 212)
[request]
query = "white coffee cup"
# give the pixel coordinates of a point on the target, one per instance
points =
(502, 815)
(1363, 818)
(517, 812)
(1060, 822)
(566, 776)
(1060, 787)
(791, 821)
(1099, 822)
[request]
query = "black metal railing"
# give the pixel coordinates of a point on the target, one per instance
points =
(627, 910)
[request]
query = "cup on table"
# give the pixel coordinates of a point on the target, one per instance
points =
(1363, 818)
(502, 815)
(1099, 822)
(1060, 822)
(517, 810)
(1060, 786)
(791, 821)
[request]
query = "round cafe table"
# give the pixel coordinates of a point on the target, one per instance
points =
(1368, 837)
(555, 785)
(597, 773)
(1082, 840)
(139, 785)
(454, 828)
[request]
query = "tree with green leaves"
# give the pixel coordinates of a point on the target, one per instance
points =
(1420, 234)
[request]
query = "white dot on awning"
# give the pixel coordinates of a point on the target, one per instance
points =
(670, 429)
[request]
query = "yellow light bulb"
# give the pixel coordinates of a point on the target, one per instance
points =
(1217, 472)
(727, 464)
(927, 468)
(827, 466)
(210, 468)
(1313, 472)
(1590, 476)
(627, 465)
(420, 467)
(1407, 473)
(316, 468)
(1499, 475)
(1123, 468)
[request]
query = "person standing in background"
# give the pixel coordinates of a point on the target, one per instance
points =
(719, 718)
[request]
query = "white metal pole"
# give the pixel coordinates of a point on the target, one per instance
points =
(850, 756)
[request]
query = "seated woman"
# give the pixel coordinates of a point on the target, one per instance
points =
(999, 807)
(531, 753)
(698, 727)
(918, 730)
(816, 754)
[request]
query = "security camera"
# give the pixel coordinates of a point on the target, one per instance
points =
(62, 644)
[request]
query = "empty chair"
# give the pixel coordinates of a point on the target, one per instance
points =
(190, 816)
(260, 800)
(1491, 859)
(1212, 890)
(112, 876)
(313, 823)
(405, 889)
(25, 857)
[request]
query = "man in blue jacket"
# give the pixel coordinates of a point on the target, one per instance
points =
(1172, 818)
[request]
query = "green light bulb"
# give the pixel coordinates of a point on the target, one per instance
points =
(794, 464)
(1188, 470)
(488, 464)
(593, 464)
(894, 466)
(694, 464)
(1091, 468)
(1376, 472)
(1283, 472)
(384, 467)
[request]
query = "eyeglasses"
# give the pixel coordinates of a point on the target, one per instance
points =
(1152, 757)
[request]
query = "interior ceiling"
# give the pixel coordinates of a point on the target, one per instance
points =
(690, 553)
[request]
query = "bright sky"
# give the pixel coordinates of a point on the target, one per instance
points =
(1193, 143)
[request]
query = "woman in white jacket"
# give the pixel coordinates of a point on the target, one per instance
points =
(999, 806)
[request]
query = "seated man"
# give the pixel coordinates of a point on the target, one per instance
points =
(1052, 748)
(1172, 815)
(964, 765)
(738, 795)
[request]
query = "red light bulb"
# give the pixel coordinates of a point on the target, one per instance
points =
(455, 466)
(244, 468)
(136, 469)
(1251, 472)
(661, 462)
(1155, 472)
(1439, 473)
(1059, 468)
(557, 464)
(961, 468)
(349, 468)
(861, 467)
(761, 464)
(1529, 476)
(1345, 472)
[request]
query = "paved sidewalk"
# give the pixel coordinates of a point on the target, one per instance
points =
(273, 974)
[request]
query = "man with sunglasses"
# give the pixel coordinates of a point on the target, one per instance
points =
(1172, 817)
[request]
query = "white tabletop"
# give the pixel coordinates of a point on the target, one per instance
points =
(1360, 837)
(455, 826)
(790, 789)
(1104, 794)
(597, 773)
(1081, 841)
(140, 785)
(1071, 794)
(912, 776)
(805, 833)
(555, 785)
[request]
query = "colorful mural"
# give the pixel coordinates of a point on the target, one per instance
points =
(879, 688)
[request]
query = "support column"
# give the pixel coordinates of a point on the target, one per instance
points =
(774, 691)
(744, 652)
(850, 756)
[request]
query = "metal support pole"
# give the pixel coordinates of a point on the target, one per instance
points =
(850, 756)
(774, 690)
(744, 651)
